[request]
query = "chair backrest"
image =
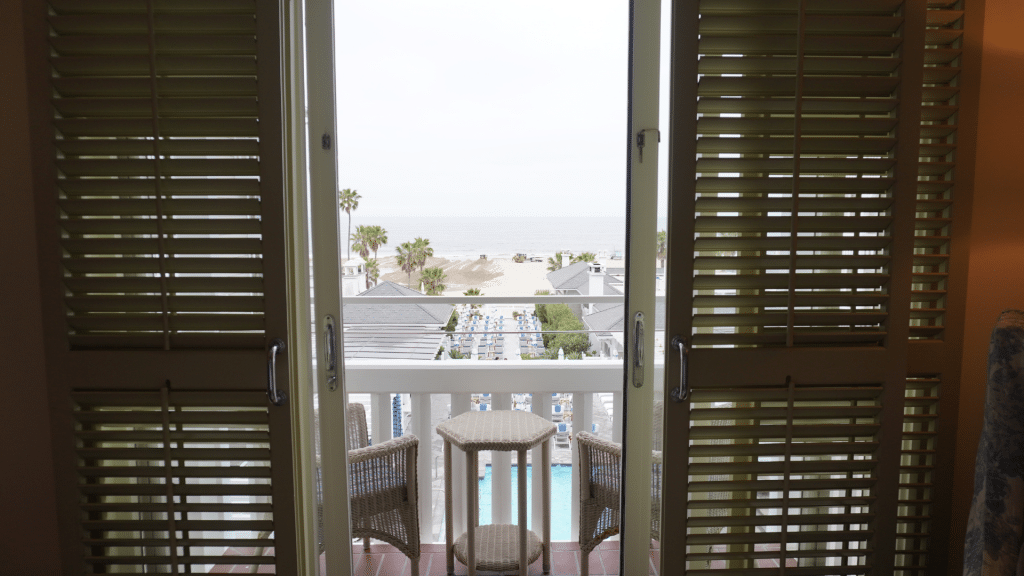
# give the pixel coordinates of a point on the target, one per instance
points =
(562, 428)
(356, 435)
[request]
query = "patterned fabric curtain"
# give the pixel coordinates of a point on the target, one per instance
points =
(995, 529)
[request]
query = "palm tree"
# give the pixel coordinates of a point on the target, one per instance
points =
(361, 241)
(585, 257)
(662, 246)
(473, 292)
(372, 272)
(433, 280)
(423, 251)
(406, 259)
(555, 262)
(349, 201)
(376, 237)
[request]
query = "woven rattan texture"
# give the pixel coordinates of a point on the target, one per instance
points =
(497, 547)
(498, 430)
(600, 473)
(382, 487)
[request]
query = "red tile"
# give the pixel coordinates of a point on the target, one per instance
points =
(564, 563)
(431, 548)
(437, 565)
(610, 545)
(394, 564)
(610, 559)
(655, 561)
(596, 566)
(366, 564)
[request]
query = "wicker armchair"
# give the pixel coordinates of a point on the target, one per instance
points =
(600, 474)
(383, 488)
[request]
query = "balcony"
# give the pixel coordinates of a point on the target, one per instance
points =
(585, 394)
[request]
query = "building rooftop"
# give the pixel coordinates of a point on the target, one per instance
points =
(394, 314)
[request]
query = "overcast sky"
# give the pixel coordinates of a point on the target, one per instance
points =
(480, 107)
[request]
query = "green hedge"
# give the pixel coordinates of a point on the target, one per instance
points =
(561, 317)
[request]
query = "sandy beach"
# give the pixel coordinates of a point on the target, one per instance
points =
(494, 277)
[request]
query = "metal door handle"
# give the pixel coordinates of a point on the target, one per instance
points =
(681, 393)
(331, 349)
(277, 398)
(638, 350)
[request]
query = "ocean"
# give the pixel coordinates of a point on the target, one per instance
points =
(497, 237)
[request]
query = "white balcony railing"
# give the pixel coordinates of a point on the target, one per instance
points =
(461, 380)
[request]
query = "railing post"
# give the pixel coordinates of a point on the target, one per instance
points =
(582, 420)
(380, 417)
(421, 429)
(542, 408)
(501, 472)
(617, 417)
(461, 403)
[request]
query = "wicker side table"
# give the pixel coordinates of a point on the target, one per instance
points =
(495, 547)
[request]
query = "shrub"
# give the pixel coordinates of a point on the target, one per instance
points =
(561, 317)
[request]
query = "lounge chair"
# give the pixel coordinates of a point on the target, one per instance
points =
(383, 488)
(562, 434)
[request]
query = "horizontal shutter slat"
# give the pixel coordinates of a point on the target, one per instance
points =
(177, 285)
(170, 265)
(166, 107)
(131, 168)
(129, 246)
(80, 87)
(103, 226)
(187, 207)
(171, 127)
(144, 147)
(172, 187)
(193, 44)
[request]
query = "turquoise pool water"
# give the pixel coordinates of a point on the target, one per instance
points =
(561, 497)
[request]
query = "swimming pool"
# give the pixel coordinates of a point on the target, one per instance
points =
(561, 489)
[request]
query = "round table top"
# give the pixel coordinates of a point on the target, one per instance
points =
(496, 430)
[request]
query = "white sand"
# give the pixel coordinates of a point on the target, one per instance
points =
(494, 277)
(516, 279)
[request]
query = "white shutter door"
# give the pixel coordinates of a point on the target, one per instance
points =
(162, 247)
(792, 222)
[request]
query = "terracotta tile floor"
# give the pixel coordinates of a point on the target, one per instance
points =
(385, 560)
(565, 561)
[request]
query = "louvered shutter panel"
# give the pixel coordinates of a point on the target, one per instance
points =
(796, 143)
(783, 476)
(174, 482)
(917, 476)
(937, 176)
(157, 131)
(797, 228)
(162, 250)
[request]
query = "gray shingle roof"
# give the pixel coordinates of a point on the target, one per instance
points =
(570, 277)
(390, 314)
(385, 344)
(611, 319)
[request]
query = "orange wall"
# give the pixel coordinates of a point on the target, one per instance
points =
(996, 273)
(29, 544)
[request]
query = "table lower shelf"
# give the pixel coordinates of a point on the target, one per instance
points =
(497, 547)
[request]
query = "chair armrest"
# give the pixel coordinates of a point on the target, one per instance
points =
(382, 450)
(589, 440)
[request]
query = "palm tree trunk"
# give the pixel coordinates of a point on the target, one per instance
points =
(348, 244)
